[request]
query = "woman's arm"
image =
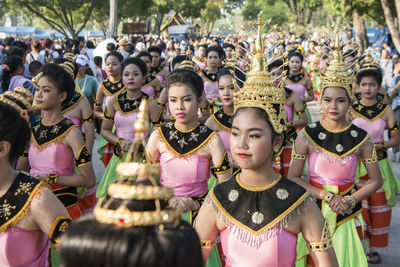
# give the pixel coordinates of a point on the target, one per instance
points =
(98, 104)
(310, 90)
(393, 128)
(219, 158)
(88, 124)
(299, 107)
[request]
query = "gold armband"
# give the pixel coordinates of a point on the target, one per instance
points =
(107, 116)
(325, 243)
(160, 104)
(52, 179)
(84, 157)
(394, 128)
(207, 243)
(89, 118)
(290, 124)
(97, 105)
(207, 107)
(301, 112)
(328, 197)
(59, 226)
(222, 167)
(373, 158)
(297, 156)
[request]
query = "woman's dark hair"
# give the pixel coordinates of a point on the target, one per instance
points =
(135, 61)
(48, 43)
(98, 61)
(34, 67)
(115, 54)
(154, 48)
(215, 49)
(229, 45)
(395, 61)
(277, 63)
(145, 54)
(15, 130)
(13, 62)
(17, 51)
(186, 76)
(261, 114)
(88, 242)
(21, 45)
(37, 45)
(203, 45)
(349, 53)
(61, 79)
(111, 47)
(296, 54)
(89, 44)
(178, 59)
(238, 75)
(376, 73)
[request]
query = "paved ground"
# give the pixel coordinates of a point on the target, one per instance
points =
(390, 256)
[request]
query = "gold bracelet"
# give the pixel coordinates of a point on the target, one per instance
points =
(291, 124)
(295, 155)
(384, 146)
(373, 158)
(52, 179)
(160, 104)
(328, 197)
(207, 243)
(353, 201)
(119, 141)
(325, 243)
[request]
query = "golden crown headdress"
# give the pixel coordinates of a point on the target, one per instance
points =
(368, 63)
(124, 188)
(69, 67)
(70, 56)
(259, 91)
(336, 74)
(20, 99)
(188, 63)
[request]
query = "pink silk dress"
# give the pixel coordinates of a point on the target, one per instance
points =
(211, 89)
(298, 88)
(34, 245)
(186, 175)
(375, 128)
(226, 137)
(149, 90)
(202, 65)
(124, 124)
(76, 121)
(278, 250)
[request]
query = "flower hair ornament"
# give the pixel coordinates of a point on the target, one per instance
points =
(20, 99)
(259, 91)
(114, 210)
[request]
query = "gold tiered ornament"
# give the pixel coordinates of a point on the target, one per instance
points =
(259, 91)
(20, 99)
(336, 74)
(124, 189)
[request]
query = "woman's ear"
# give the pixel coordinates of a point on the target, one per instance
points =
(5, 148)
(278, 142)
(62, 96)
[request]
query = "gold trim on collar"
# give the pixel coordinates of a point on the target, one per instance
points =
(258, 189)
(368, 119)
(338, 131)
(73, 105)
(220, 124)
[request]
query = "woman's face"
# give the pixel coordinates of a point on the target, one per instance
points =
(47, 96)
(225, 90)
(132, 77)
(276, 75)
(155, 59)
(335, 103)
(113, 66)
(202, 51)
(369, 87)
(183, 103)
(147, 61)
(213, 59)
(228, 52)
(295, 64)
(251, 141)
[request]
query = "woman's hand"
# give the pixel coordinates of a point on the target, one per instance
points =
(125, 145)
(339, 204)
(185, 204)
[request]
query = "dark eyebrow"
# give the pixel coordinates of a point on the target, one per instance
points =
(182, 97)
(251, 129)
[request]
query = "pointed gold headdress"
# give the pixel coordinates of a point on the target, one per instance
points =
(188, 63)
(20, 99)
(115, 210)
(336, 74)
(259, 91)
(368, 63)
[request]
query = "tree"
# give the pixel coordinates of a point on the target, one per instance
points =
(112, 26)
(64, 16)
(394, 31)
(277, 12)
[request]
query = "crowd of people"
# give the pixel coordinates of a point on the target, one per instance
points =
(211, 155)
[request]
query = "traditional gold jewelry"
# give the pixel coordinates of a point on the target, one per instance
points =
(136, 168)
(295, 155)
(259, 91)
(69, 67)
(353, 201)
(142, 192)
(123, 217)
(368, 63)
(384, 146)
(36, 79)
(322, 113)
(328, 197)
(160, 104)
(325, 243)
(119, 141)
(97, 105)
(336, 74)
(373, 158)
(290, 124)
(207, 107)
(301, 112)
(52, 179)
(207, 243)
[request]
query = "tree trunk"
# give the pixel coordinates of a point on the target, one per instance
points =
(394, 31)
(112, 26)
(158, 24)
(360, 32)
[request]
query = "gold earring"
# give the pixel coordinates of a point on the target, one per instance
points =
(322, 113)
(277, 158)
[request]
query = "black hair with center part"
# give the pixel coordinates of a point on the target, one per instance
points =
(178, 59)
(60, 78)
(229, 45)
(376, 73)
(135, 61)
(115, 54)
(238, 75)
(154, 48)
(215, 49)
(277, 63)
(188, 77)
(13, 62)
(296, 54)
(15, 130)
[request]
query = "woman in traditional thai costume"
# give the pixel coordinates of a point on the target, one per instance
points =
(258, 213)
(30, 214)
(158, 69)
(293, 105)
(121, 113)
(209, 75)
(151, 85)
(107, 89)
(57, 146)
(201, 59)
(333, 147)
(374, 117)
(298, 81)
